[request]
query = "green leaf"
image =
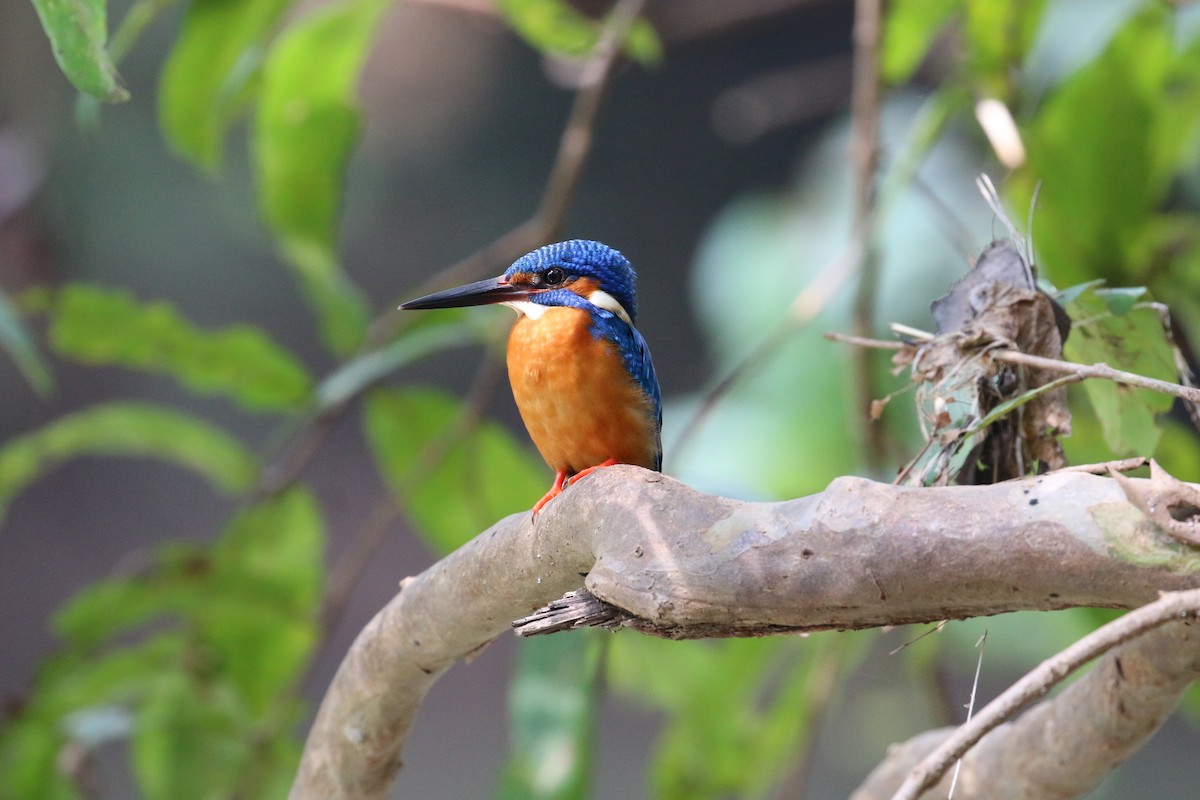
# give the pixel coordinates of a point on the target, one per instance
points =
(78, 30)
(260, 615)
(1120, 300)
(178, 584)
(16, 340)
(29, 753)
(212, 695)
(999, 33)
(32, 743)
(1133, 342)
(912, 26)
(1134, 110)
(552, 713)
(185, 741)
(1067, 296)
(1175, 142)
(1177, 452)
(208, 73)
(553, 26)
(80, 680)
(98, 612)
(454, 483)
(100, 326)
(306, 125)
(738, 741)
(213, 702)
(126, 429)
(1071, 36)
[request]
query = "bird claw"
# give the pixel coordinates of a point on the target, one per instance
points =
(550, 495)
(561, 481)
(583, 473)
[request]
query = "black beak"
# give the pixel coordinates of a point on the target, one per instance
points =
(479, 293)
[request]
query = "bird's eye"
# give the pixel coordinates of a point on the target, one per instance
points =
(554, 276)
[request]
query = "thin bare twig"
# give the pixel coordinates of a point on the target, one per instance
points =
(804, 309)
(574, 147)
(970, 707)
(867, 341)
(855, 259)
(1107, 467)
(1099, 371)
(1182, 366)
(864, 155)
(284, 467)
(1080, 371)
(385, 513)
(344, 575)
(297, 451)
(1039, 682)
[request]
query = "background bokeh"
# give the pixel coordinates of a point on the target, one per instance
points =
(721, 173)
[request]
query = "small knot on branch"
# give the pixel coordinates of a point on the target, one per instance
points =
(1171, 504)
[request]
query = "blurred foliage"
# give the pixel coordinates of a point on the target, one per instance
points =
(193, 661)
(553, 26)
(305, 128)
(552, 707)
(129, 429)
(804, 393)
(103, 327)
(454, 476)
(78, 31)
(737, 710)
(18, 341)
(209, 77)
(1128, 338)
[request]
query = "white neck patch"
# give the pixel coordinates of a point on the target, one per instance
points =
(602, 299)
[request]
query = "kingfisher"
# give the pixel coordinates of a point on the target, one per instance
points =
(580, 372)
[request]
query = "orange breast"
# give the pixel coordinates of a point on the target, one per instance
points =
(579, 404)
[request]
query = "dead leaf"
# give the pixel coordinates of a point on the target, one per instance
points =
(996, 305)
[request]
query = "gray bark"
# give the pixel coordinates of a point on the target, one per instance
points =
(859, 554)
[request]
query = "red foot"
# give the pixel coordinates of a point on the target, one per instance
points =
(561, 481)
(585, 472)
(560, 478)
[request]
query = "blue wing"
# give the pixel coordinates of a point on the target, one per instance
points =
(642, 368)
(636, 355)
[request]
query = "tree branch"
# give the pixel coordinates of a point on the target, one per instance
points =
(1108, 714)
(685, 564)
(1079, 371)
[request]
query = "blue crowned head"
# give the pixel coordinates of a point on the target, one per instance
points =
(586, 265)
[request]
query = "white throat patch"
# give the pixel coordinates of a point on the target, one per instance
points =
(598, 298)
(527, 308)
